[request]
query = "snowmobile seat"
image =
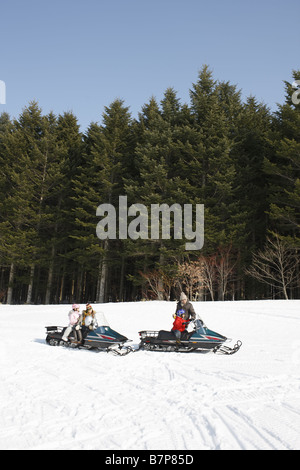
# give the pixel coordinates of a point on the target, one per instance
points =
(166, 335)
(169, 335)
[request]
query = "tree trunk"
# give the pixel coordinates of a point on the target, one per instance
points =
(30, 287)
(99, 281)
(50, 277)
(121, 289)
(160, 282)
(103, 275)
(10, 283)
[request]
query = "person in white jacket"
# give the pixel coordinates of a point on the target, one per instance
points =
(74, 315)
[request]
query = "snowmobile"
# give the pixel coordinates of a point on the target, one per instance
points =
(199, 339)
(101, 338)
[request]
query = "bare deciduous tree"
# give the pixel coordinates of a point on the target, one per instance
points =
(190, 276)
(225, 269)
(276, 265)
(212, 273)
(159, 283)
(208, 266)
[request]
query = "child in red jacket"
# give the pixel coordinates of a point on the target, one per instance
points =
(179, 325)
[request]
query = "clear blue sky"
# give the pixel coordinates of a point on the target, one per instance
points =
(79, 55)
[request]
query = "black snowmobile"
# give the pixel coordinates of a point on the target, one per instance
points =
(101, 338)
(200, 339)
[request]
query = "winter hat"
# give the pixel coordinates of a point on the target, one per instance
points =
(89, 307)
(183, 296)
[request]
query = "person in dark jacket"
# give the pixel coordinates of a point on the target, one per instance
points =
(184, 314)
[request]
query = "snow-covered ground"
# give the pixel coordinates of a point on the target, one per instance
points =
(58, 398)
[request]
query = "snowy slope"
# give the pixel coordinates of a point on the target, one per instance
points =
(57, 398)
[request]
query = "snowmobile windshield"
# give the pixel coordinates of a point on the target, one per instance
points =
(101, 320)
(199, 326)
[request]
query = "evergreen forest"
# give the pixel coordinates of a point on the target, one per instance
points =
(238, 158)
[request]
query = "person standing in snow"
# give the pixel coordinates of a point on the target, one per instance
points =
(184, 314)
(73, 319)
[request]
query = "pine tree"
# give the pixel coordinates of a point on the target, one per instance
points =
(108, 152)
(158, 158)
(212, 171)
(69, 148)
(283, 169)
(252, 146)
(34, 165)
(19, 226)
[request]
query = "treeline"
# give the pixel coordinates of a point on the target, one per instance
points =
(237, 158)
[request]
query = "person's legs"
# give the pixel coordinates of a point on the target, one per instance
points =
(177, 333)
(66, 333)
